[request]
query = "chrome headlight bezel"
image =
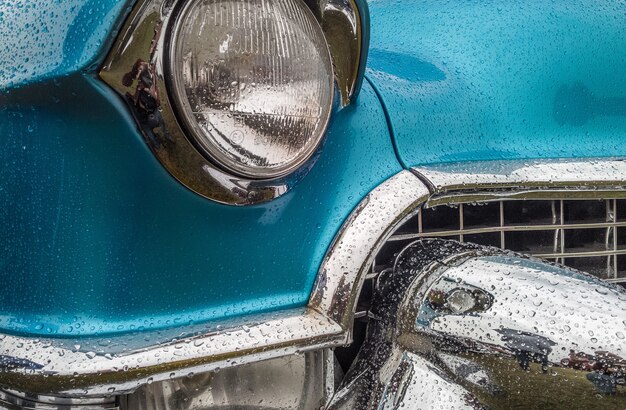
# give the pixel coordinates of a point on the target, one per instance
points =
(143, 42)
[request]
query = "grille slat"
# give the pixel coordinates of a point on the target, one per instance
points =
(503, 228)
(561, 230)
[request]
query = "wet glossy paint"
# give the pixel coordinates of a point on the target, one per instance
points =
(97, 237)
(44, 39)
(495, 79)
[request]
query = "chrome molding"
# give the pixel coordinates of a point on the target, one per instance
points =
(482, 181)
(116, 365)
(347, 263)
(140, 49)
(87, 368)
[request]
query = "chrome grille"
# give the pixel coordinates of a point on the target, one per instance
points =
(589, 235)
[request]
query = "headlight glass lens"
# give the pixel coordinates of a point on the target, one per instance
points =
(252, 81)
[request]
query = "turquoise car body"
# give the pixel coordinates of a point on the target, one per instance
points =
(97, 238)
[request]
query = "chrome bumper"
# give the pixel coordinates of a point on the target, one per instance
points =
(465, 327)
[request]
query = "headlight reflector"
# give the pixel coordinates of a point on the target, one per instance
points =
(252, 82)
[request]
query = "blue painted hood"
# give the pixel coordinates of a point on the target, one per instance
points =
(479, 80)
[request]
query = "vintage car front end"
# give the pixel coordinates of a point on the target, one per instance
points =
(266, 204)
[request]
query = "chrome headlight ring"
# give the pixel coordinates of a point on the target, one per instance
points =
(139, 69)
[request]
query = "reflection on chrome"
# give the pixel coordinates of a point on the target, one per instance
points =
(465, 326)
(288, 382)
(346, 27)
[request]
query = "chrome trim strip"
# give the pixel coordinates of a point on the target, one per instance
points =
(582, 174)
(538, 193)
(350, 256)
(488, 181)
(579, 254)
(91, 368)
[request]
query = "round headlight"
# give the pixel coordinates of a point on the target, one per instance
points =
(252, 82)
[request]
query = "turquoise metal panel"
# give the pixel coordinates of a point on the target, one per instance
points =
(497, 79)
(97, 237)
(44, 39)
